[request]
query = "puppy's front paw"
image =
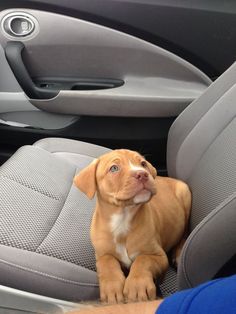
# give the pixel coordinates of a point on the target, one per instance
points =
(139, 288)
(111, 291)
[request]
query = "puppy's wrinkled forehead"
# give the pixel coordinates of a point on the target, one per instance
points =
(123, 162)
(124, 157)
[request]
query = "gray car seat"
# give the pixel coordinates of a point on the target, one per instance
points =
(44, 220)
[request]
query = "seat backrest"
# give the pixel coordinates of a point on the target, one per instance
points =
(202, 152)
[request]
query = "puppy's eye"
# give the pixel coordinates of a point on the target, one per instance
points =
(114, 168)
(144, 164)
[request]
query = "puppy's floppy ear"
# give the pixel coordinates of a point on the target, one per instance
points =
(86, 179)
(152, 170)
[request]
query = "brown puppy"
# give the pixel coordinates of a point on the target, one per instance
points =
(139, 216)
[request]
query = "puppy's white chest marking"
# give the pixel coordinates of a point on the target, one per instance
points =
(124, 257)
(120, 223)
(120, 226)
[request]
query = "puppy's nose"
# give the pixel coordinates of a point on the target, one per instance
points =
(141, 175)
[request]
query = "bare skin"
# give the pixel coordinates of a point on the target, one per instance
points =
(131, 308)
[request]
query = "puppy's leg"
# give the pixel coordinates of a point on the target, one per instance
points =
(111, 279)
(139, 285)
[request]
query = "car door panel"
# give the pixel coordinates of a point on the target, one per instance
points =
(157, 84)
(199, 31)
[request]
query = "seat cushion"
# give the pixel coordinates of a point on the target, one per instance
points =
(45, 221)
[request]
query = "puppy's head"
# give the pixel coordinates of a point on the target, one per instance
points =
(121, 177)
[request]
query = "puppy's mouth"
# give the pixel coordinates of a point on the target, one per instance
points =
(142, 197)
(142, 193)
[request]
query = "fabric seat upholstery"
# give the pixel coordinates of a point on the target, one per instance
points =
(201, 151)
(205, 159)
(44, 226)
(45, 220)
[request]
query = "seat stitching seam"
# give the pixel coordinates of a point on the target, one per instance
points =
(28, 187)
(55, 219)
(190, 133)
(46, 275)
(210, 144)
(202, 224)
(201, 114)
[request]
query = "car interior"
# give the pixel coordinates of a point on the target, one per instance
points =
(79, 78)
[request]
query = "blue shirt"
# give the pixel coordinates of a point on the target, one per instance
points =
(217, 296)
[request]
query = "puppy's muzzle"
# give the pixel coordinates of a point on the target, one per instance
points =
(141, 175)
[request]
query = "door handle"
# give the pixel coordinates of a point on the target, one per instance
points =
(47, 88)
(13, 53)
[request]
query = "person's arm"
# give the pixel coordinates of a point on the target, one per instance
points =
(217, 296)
(131, 308)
